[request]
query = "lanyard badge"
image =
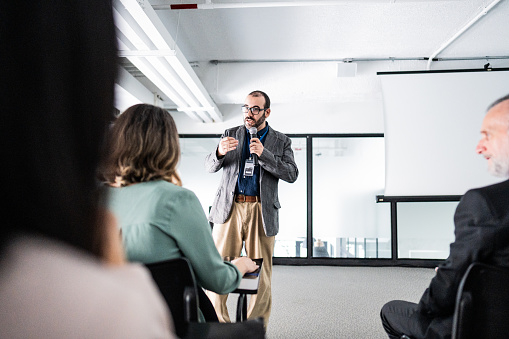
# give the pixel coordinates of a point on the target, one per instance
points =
(249, 167)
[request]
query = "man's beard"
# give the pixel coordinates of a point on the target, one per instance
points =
(500, 166)
(256, 124)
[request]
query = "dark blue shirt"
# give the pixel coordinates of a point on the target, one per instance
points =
(250, 185)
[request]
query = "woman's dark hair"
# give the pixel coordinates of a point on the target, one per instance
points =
(143, 146)
(58, 69)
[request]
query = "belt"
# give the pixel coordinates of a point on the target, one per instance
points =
(247, 198)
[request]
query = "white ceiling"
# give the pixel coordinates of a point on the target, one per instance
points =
(347, 29)
(292, 51)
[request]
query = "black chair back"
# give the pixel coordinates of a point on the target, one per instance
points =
(176, 281)
(482, 303)
(177, 284)
(249, 329)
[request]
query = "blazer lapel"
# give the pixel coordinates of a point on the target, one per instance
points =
(240, 135)
(271, 140)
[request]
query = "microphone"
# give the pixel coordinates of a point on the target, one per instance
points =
(252, 133)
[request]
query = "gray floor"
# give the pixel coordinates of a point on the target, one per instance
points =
(337, 302)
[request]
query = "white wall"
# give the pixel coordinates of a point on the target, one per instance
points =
(307, 97)
(297, 118)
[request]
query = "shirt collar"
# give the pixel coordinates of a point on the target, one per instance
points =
(260, 132)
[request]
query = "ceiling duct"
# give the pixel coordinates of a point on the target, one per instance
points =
(461, 31)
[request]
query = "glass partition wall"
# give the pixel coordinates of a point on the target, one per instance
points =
(425, 229)
(332, 208)
(291, 239)
(347, 221)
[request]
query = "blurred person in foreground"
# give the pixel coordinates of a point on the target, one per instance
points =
(161, 220)
(481, 235)
(62, 271)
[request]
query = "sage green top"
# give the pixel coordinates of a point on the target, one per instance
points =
(161, 221)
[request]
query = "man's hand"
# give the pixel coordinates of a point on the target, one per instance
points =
(256, 146)
(226, 145)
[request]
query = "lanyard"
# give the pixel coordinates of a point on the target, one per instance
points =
(244, 150)
(264, 134)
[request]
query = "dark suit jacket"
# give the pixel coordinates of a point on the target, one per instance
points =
(276, 162)
(481, 235)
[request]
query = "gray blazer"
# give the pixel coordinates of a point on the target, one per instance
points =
(276, 162)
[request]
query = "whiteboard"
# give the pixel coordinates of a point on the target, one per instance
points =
(432, 122)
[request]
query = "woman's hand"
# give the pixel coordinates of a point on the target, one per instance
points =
(245, 265)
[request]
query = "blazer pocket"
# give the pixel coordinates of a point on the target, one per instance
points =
(277, 149)
(278, 152)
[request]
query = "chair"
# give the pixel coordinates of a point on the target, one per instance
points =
(249, 329)
(177, 284)
(176, 281)
(482, 303)
(248, 285)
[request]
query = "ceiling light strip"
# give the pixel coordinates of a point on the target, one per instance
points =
(267, 4)
(155, 30)
(161, 73)
(195, 85)
(146, 53)
(153, 75)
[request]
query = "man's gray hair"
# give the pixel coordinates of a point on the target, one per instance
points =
(496, 102)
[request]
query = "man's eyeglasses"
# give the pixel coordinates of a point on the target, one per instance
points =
(255, 109)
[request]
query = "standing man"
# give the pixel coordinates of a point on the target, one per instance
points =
(246, 207)
(482, 235)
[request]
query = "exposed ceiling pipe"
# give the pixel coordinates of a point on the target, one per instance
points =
(461, 31)
(239, 61)
(210, 5)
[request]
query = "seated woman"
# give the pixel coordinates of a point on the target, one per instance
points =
(159, 219)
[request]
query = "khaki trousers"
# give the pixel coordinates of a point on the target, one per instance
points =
(245, 224)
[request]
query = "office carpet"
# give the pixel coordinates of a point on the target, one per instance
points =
(336, 302)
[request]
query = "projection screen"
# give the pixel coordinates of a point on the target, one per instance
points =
(432, 123)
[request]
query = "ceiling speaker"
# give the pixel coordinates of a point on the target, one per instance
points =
(347, 69)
